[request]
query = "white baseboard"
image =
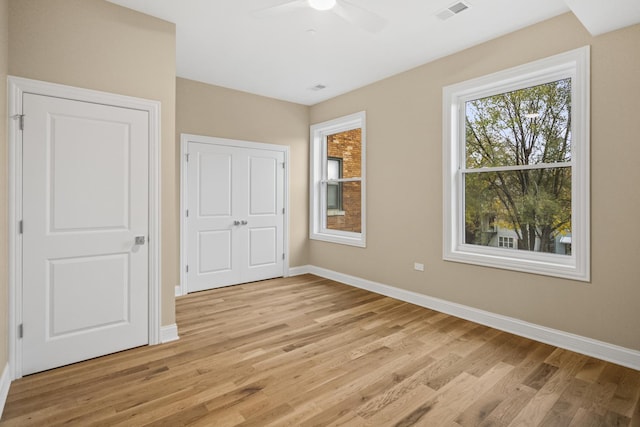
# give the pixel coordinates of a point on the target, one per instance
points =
(169, 333)
(178, 291)
(5, 382)
(297, 271)
(590, 347)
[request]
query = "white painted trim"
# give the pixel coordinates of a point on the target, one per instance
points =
(5, 383)
(183, 220)
(590, 347)
(574, 64)
(185, 138)
(300, 270)
(155, 221)
(16, 88)
(169, 333)
(178, 291)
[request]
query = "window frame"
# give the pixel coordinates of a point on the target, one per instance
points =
(573, 64)
(506, 242)
(318, 173)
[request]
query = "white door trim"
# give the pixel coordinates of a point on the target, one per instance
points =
(16, 88)
(185, 138)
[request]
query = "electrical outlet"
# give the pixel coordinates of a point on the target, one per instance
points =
(417, 266)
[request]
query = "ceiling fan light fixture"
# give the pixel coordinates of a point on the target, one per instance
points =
(322, 4)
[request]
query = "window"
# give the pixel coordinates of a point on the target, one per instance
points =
(505, 242)
(338, 180)
(516, 151)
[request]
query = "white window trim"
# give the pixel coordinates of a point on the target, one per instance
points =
(574, 64)
(317, 196)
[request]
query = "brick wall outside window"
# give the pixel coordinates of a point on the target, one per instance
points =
(347, 146)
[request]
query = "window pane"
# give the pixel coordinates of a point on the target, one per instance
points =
(347, 147)
(532, 207)
(333, 168)
(334, 196)
(524, 127)
(349, 219)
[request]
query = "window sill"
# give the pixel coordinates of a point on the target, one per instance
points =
(335, 212)
(562, 266)
(345, 238)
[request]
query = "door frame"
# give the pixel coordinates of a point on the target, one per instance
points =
(17, 86)
(185, 139)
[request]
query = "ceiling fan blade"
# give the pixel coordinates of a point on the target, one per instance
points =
(281, 8)
(356, 15)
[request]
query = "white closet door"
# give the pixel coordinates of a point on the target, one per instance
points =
(85, 199)
(235, 227)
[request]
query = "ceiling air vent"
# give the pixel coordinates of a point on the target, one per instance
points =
(454, 9)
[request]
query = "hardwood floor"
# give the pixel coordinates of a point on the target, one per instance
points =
(305, 351)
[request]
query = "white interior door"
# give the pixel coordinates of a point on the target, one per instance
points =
(235, 225)
(85, 199)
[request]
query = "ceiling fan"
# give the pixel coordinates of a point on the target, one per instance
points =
(353, 14)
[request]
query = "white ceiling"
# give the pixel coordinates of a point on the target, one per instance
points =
(603, 16)
(226, 43)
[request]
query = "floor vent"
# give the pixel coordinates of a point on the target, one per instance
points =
(454, 9)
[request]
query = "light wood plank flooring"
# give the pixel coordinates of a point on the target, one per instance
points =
(305, 351)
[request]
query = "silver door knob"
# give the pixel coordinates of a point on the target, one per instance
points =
(236, 222)
(244, 222)
(140, 240)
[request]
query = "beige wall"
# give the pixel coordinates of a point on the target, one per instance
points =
(203, 109)
(405, 112)
(4, 67)
(98, 45)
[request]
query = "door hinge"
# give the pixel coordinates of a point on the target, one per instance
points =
(282, 256)
(187, 213)
(283, 165)
(20, 227)
(20, 330)
(186, 156)
(20, 118)
(282, 210)
(187, 269)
